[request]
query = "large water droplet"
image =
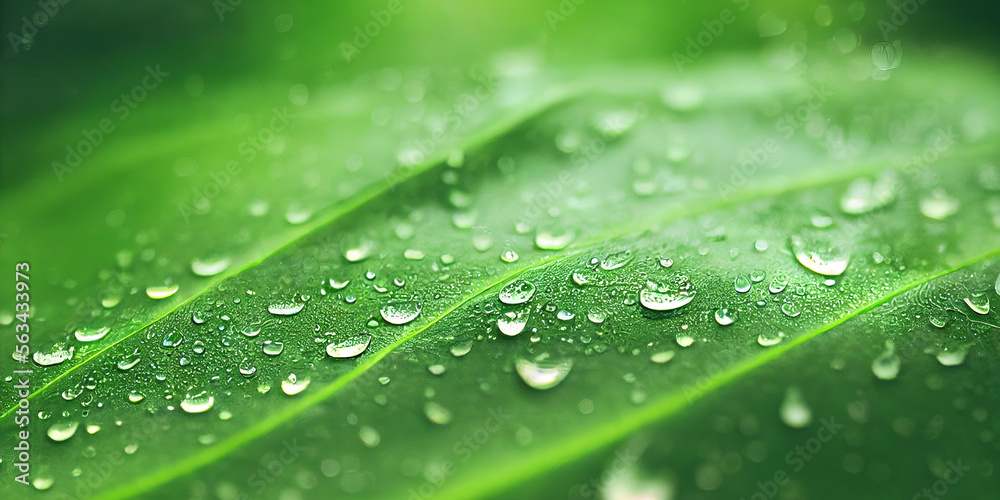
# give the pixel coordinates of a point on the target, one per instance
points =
(684, 339)
(512, 323)
(662, 357)
(359, 250)
(509, 256)
(742, 283)
(666, 296)
(544, 374)
(349, 348)
(826, 259)
(777, 285)
(91, 334)
(953, 357)
(43, 482)
(126, 363)
(553, 241)
(516, 292)
(285, 308)
(979, 303)
(400, 313)
(770, 339)
(616, 260)
(794, 411)
(886, 365)
(57, 355)
(210, 267)
(198, 403)
(173, 338)
(272, 348)
(292, 385)
(161, 292)
(885, 55)
(724, 316)
(62, 431)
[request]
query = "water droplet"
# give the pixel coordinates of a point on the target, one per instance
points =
(135, 397)
(742, 283)
(247, 369)
(447, 259)
(91, 334)
(596, 317)
(199, 347)
(509, 256)
(564, 315)
(580, 279)
(210, 267)
(616, 260)
(43, 482)
(885, 55)
(760, 245)
(684, 340)
(198, 403)
(821, 220)
(161, 292)
(758, 275)
(173, 338)
(939, 318)
(666, 262)
(272, 348)
(979, 303)
(437, 413)
(790, 309)
(437, 369)
(128, 362)
(292, 385)
(770, 339)
(667, 296)
(512, 323)
(939, 205)
(550, 241)
(828, 260)
(62, 431)
(777, 285)
(359, 250)
(543, 374)
(400, 313)
(794, 411)
(461, 349)
(886, 365)
(285, 308)
(863, 195)
(662, 357)
(952, 357)
(724, 316)
(516, 292)
(369, 436)
(57, 355)
(349, 348)
(412, 254)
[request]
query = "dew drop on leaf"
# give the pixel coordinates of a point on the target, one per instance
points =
(952, 357)
(553, 241)
(616, 260)
(826, 259)
(724, 316)
(292, 385)
(886, 365)
(43, 482)
(161, 292)
(272, 348)
(770, 339)
(742, 283)
(777, 285)
(512, 323)
(349, 348)
(543, 374)
(400, 313)
(285, 308)
(210, 267)
(794, 411)
(91, 334)
(684, 340)
(61, 431)
(369, 436)
(979, 303)
(863, 195)
(516, 292)
(461, 348)
(437, 413)
(668, 295)
(939, 205)
(509, 256)
(662, 357)
(198, 403)
(57, 355)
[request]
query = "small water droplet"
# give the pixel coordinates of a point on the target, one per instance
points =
(939, 205)
(369, 436)
(758, 275)
(777, 285)
(596, 317)
(543, 374)
(128, 362)
(516, 292)
(863, 195)
(135, 397)
(886, 365)
(437, 413)
(359, 250)
(509, 256)
(724, 316)
(885, 55)
(400, 313)
(210, 267)
(770, 339)
(349, 348)
(667, 296)
(666, 262)
(413, 254)
(57, 355)
(794, 411)
(662, 357)
(828, 260)
(61, 431)
(461, 349)
(616, 260)
(436, 369)
(285, 308)
(272, 348)
(173, 338)
(684, 340)
(292, 385)
(742, 283)
(161, 292)
(42, 482)
(198, 403)
(553, 241)
(564, 315)
(91, 334)
(939, 318)
(953, 357)
(790, 309)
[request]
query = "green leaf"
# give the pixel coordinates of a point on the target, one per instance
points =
(675, 246)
